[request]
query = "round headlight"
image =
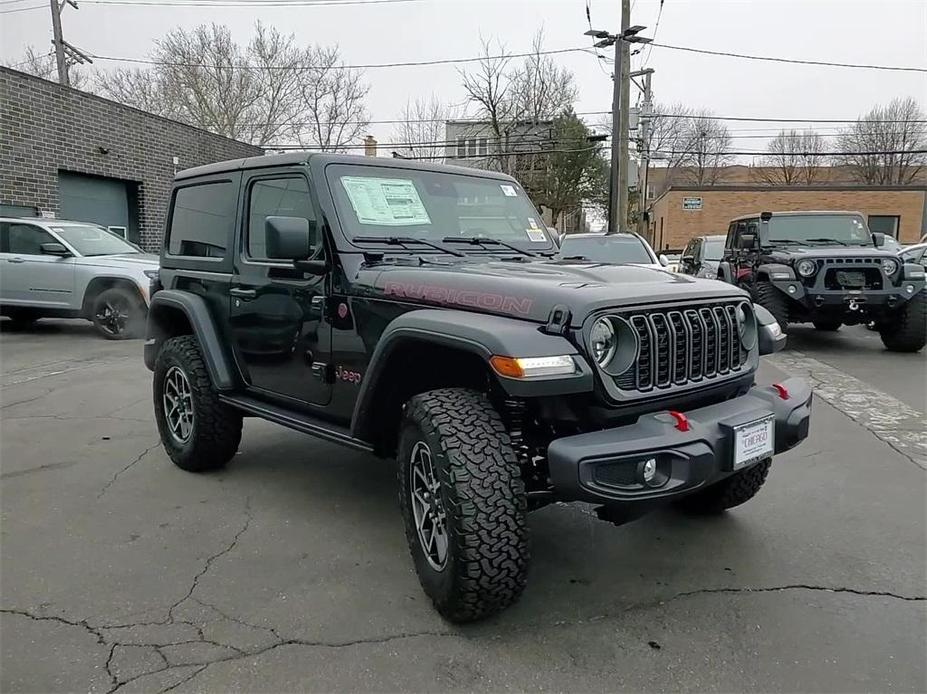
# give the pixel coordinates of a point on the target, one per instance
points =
(806, 267)
(889, 266)
(602, 341)
(746, 325)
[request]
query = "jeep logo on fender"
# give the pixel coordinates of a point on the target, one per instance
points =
(457, 297)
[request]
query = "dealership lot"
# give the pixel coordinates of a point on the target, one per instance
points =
(289, 570)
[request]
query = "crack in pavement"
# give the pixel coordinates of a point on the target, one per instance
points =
(126, 468)
(40, 468)
(185, 679)
(801, 586)
(236, 620)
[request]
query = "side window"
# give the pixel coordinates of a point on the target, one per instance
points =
(202, 220)
(697, 250)
(25, 239)
(731, 242)
(277, 197)
(687, 251)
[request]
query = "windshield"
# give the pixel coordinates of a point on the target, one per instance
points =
(93, 240)
(613, 249)
(386, 202)
(714, 248)
(820, 228)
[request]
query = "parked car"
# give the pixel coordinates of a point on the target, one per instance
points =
(624, 248)
(673, 257)
(914, 254)
(63, 269)
(436, 327)
(828, 269)
(702, 255)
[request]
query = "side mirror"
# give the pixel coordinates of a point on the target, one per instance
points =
(878, 239)
(664, 261)
(55, 249)
(747, 241)
(771, 337)
(287, 238)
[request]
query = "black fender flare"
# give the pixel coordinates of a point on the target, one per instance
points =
(219, 364)
(765, 272)
(725, 273)
(480, 334)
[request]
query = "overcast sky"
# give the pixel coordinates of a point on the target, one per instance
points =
(890, 32)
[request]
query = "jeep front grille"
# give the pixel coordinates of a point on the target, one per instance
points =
(679, 346)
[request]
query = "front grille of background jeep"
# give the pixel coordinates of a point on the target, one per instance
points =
(682, 345)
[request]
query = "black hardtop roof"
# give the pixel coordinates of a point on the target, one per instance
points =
(290, 158)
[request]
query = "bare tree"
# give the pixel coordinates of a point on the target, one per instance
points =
(885, 147)
(668, 127)
(133, 87)
(43, 65)
(422, 130)
(706, 146)
(489, 87)
(332, 101)
(540, 89)
(795, 157)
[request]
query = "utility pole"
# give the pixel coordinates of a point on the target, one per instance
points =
(621, 98)
(58, 41)
(643, 148)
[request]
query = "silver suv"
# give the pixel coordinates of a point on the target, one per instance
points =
(51, 268)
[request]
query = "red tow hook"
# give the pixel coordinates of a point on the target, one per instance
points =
(682, 422)
(783, 393)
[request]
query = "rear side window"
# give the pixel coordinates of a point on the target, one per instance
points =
(26, 239)
(277, 197)
(202, 220)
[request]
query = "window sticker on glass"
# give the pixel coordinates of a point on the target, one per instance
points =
(385, 201)
(534, 231)
(509, 191)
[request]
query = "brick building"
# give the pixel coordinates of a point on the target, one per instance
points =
(681, 212)
(73, 155)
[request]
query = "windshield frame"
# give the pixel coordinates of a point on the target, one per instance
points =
(327, 180)
(59, 231)
(623, 238)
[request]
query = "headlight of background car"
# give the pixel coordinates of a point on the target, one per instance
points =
(889, 266)
(602, 342)
(806, 267)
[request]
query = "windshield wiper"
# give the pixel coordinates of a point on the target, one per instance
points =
(404, 242)
(486, 241)
(573, 257)
(842, 243)
(792, 241)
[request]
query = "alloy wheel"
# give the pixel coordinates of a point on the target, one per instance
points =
(427, 508)
(177, 401)
(113, 316)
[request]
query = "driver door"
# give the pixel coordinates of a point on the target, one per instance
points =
(282, 336)
(29, 277)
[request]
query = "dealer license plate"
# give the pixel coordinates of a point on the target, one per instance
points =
(753, 441)
(848, 278)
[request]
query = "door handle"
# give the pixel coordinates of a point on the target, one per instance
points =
(15, 260)
(243, 293)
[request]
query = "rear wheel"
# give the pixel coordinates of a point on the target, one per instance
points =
(198, 432)
(770, 298)
(906, 330)
(463, 502)
(828, 325)
(118, 314)
(732, 491)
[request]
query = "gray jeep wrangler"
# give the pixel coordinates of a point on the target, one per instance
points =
(417, 312)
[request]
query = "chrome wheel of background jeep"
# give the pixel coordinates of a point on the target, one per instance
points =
(430, 518)
(177, 401)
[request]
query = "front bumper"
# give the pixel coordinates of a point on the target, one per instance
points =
(850, 300)
(604, 466)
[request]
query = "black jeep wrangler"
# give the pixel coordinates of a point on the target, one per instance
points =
(416, 311)
(826, 268)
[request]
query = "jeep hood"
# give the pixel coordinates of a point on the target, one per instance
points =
(130, 261)
(834, 252)
(530, 289)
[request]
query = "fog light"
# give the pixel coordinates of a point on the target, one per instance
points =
(792, 289)
(649, 470)
(909, 288)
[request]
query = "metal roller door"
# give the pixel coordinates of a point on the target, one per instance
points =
(104, 201)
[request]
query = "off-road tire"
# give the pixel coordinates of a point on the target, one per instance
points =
(729, 492)
(907, 332)
(216, 427)
(483, 496)
(134, 307)
(770, 298)
(827, 325)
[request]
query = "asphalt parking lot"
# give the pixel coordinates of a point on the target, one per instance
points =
(288, 571)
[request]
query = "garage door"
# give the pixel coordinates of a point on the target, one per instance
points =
(93, 199)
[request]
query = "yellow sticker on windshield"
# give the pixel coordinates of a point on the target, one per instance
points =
(385, 201)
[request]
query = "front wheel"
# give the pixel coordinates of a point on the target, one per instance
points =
(463, 503)
(732, 491)
(906, 330)
(118, 314)
(198, 431)
(770, 298)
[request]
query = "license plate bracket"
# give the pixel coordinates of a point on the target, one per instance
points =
(851, 278)
(753, 441)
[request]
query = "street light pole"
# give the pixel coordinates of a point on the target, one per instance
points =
(619, 216)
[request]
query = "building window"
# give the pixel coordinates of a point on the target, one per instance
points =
(650, 192)
(884, 224)
(472, 147)
(461, 147)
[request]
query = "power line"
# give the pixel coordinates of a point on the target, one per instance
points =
(24, 9)
(656, 28)
(794, 61)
